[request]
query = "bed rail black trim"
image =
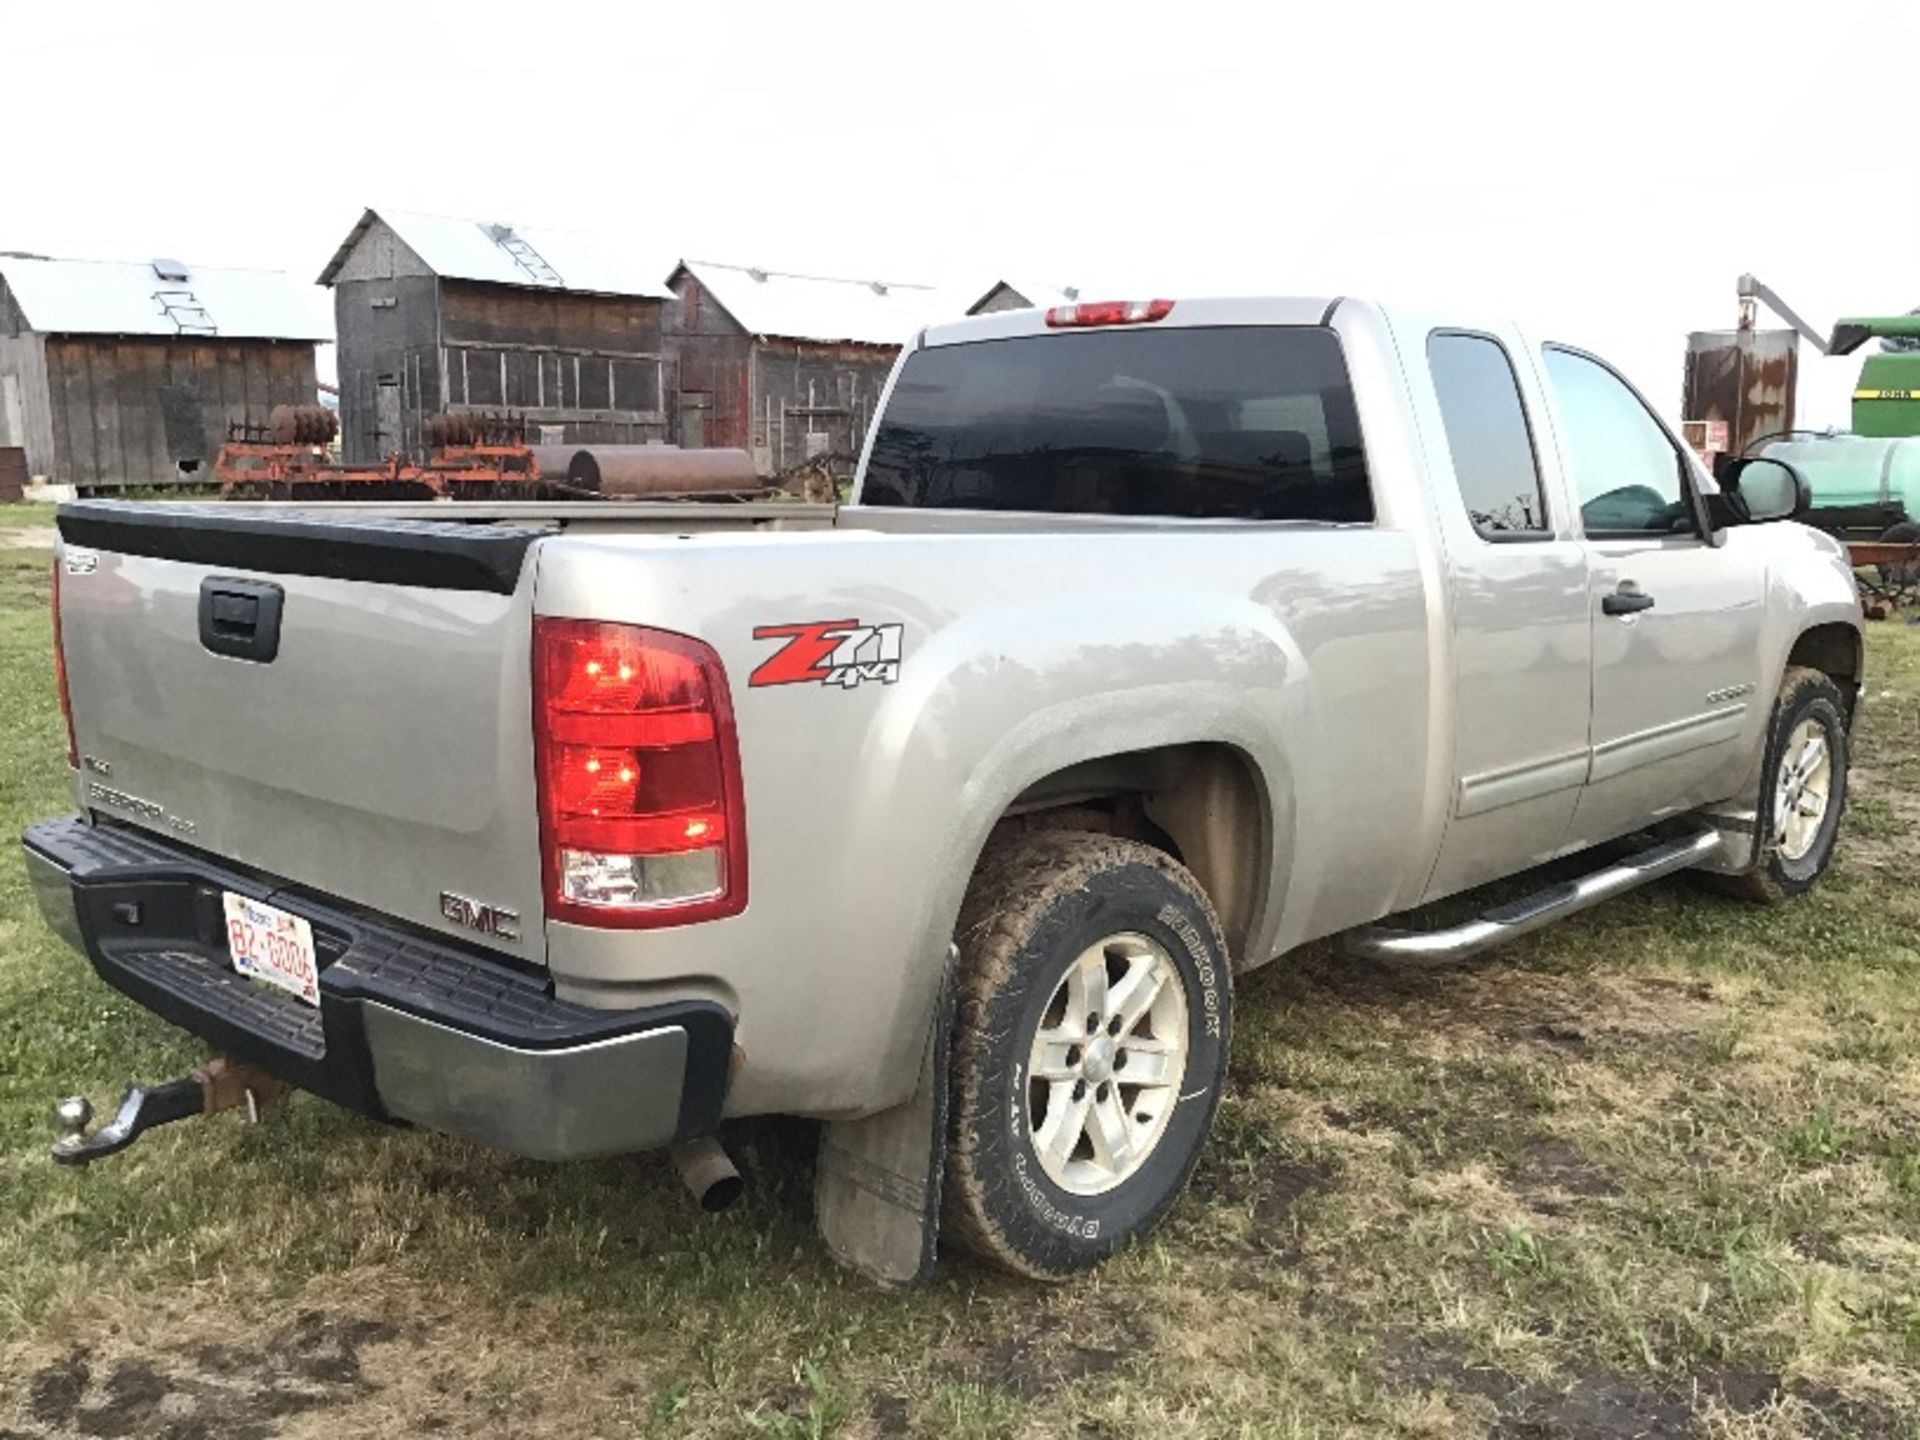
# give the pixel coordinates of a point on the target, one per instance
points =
(430, 554)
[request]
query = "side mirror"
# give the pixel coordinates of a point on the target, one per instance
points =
(1762, 488)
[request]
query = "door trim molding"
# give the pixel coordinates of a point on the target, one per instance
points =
(1512, 784)
(1663, 742)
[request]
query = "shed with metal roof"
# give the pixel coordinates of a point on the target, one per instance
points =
(443, 315)
(789, 366)
(116, 373)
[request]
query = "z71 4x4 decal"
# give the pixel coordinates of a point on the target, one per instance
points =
(829, 652)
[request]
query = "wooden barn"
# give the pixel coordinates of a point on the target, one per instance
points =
(440, 315)
(1022, 295)
(789, 367)
(128, 374)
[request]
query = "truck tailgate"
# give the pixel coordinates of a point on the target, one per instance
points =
(382, 753)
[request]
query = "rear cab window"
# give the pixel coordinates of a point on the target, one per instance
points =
(1488, 436)
(1241, 422)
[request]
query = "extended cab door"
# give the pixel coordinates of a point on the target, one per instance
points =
(1517, 601)
(1676, 619)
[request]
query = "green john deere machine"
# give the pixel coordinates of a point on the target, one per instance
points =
(1866, 483)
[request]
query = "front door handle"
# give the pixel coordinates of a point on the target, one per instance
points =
(1629, 599)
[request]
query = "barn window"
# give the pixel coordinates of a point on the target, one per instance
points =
(523, 380)
(636, 386)
(483, 377)
(595, 383)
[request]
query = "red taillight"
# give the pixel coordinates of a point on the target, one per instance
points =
(60, 672)
(1109, 312)
(641, 815)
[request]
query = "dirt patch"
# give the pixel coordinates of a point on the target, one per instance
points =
(1602, 1408)
(186, 1389)
(1057, 1347)
(1596, 1405)
(28, 537)
(1547, 1162)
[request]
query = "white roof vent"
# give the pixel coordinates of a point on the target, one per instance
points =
(760, 276)
(170, 271)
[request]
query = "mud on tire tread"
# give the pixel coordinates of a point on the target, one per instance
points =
(1019, 883)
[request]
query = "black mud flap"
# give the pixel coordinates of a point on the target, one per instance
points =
(877, 1188)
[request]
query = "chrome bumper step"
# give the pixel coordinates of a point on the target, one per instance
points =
(1530, 912)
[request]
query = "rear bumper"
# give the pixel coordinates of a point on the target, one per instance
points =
(409, 1028)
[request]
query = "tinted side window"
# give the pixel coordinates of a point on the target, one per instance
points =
(1487, 434)
(1249, 422)
(1626, 471)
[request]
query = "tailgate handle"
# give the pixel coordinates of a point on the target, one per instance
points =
(241, 618)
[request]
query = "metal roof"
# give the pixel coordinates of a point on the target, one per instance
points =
(501, 253)
(113, 297)
(822, 308)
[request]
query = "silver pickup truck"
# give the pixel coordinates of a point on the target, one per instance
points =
(1160, 639)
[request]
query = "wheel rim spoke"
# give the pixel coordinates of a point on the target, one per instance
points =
(1066, 1123)
(1087, 987)
(1054, 1056)
(1108, 1130)
(1146, 977)
(1145, 1066)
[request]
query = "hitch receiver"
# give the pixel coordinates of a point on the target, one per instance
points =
(220, 1084)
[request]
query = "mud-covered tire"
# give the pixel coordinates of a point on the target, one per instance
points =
(1038, 906)
(1806, 696)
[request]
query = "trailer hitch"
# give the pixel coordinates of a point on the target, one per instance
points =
(220, 1084)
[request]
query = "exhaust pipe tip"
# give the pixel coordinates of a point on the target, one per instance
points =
(708, 1174)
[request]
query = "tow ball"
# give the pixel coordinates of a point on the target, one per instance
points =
(220, 1084)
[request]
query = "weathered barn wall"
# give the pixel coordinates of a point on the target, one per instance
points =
(26, 418)
(387, 317)
(715, 401)
(592, 368)
(147, 410)
(814, 400)
(389, 363)
(785, 401)
(580, 368)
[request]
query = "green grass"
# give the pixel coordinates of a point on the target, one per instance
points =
(1658, 1168)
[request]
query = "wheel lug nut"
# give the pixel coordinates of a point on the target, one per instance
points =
(1093, 1023)
(1073, 1055)
(1101, 1093)
(1079, 1089)
(1113, 1026)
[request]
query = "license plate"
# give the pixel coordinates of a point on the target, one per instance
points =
(269, 945)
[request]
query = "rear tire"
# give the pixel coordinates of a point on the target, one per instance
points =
(1803, 791)
(1089, 1050)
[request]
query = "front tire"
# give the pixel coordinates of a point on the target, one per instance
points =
(1089, 1050)
(1803, 790)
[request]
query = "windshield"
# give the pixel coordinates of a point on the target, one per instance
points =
(1243, 422)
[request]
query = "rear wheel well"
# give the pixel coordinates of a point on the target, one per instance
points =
(1834, 650)
(1201, 803)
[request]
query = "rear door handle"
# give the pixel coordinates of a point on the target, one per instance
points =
(1629, 599)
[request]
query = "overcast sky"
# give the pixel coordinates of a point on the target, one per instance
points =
(1604, 171)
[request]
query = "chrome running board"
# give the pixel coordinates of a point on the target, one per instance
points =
(1530, 912)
